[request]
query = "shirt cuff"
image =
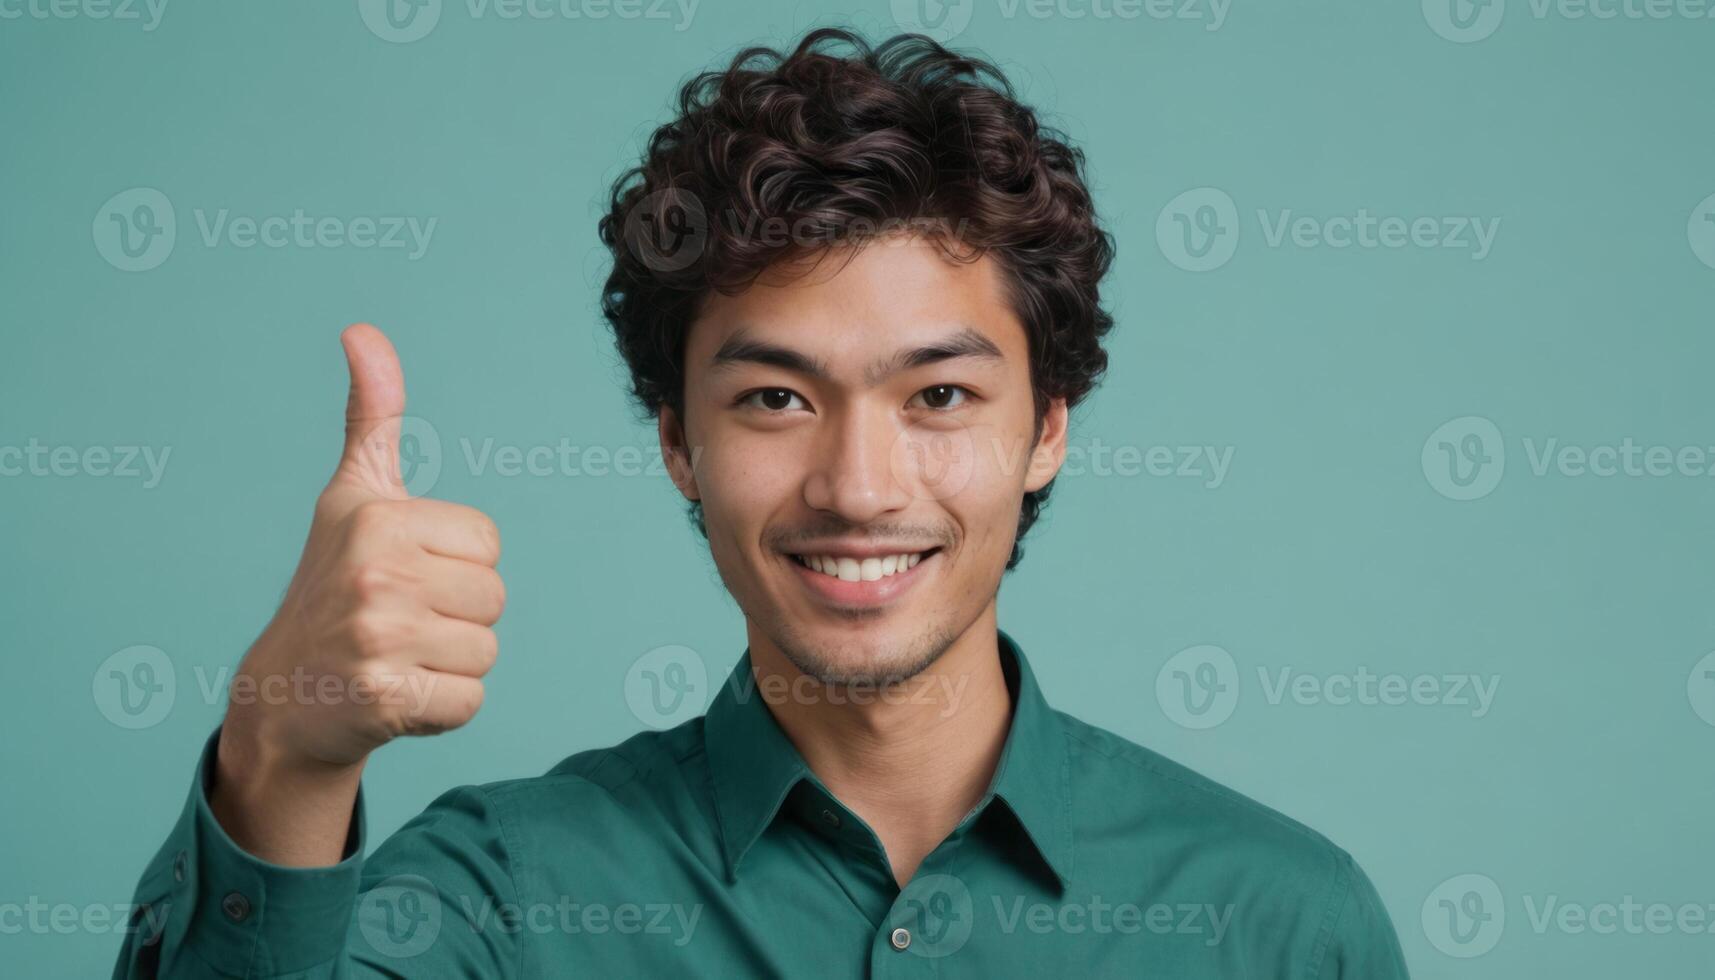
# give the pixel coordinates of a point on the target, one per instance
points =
(241, 915)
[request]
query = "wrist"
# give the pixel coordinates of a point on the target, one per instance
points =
(277, 805)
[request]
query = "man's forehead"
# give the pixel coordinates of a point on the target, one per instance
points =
(854, 311)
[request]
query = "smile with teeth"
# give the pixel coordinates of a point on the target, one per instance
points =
(861, 570)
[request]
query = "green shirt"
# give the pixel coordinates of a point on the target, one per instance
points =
(711, 850)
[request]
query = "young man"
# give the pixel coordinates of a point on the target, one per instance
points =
(858, 290)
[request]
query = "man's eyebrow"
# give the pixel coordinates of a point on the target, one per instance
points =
(965, 342)
(741, 349)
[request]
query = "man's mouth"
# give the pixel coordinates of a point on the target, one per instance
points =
(864, 579)
(870, 568)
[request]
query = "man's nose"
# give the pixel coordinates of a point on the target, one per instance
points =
(854, 473)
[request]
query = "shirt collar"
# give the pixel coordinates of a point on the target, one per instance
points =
(754, 765)
(752, 762)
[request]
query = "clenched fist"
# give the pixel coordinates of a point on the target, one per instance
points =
(385, 629)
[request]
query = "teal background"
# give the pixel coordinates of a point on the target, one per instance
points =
(1327, 547)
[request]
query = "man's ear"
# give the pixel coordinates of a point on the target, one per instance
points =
(677, 453)
(1050, 450)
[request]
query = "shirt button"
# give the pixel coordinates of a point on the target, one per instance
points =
(236, 906)
(831, 818)
(901, 938)
(180, 863)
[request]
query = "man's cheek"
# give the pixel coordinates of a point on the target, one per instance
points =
(937, 464)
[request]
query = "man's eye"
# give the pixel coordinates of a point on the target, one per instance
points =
(942, 397)
(771, 399)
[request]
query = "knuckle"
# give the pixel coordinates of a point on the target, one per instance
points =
(327, 507)
(373, 636)
(370, 580)
(374, 682)
(374, 517)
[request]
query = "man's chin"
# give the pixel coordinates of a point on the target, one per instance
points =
(866, 663)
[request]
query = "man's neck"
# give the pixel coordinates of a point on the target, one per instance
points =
(916, 757)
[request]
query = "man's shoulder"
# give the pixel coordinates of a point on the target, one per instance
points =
(1139, 787)
(1287, 890)
(643, 765)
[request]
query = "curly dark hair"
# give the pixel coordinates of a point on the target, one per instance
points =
(833, 141)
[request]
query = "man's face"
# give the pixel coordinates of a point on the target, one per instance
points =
(862, 440)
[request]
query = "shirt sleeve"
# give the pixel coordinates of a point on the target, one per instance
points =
(1362, 943)
(427, 903)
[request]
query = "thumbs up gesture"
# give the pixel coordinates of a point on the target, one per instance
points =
(385, 628)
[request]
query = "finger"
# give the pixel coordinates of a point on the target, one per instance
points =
(455, 646)
(373, 410)
(452, 530)
(462, 589)
(448, 701)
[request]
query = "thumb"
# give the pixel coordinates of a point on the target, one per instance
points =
(373, 411)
